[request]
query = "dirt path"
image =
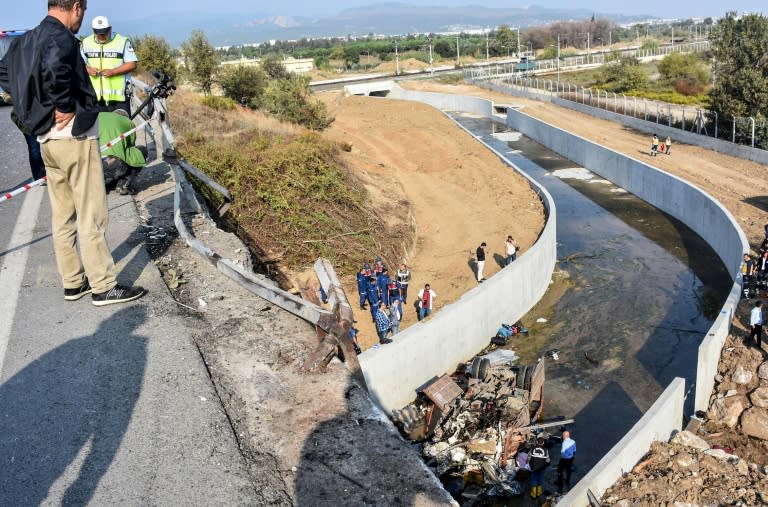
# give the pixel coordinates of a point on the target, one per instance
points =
(458, 194)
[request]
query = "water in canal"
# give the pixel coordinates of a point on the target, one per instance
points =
(637, 292)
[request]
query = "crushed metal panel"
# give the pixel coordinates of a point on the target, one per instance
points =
(443, 391)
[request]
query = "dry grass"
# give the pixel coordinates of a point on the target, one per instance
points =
(293, 198)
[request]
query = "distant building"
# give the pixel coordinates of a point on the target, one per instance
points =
(299, 65)
(295, 65)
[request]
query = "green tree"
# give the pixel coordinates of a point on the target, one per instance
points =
(289, 100)
(685, 71)
(624, 74)
(740, 49)
(506, 38)
(274, 68)
(154, 53)
(243, 83)
(200, 60)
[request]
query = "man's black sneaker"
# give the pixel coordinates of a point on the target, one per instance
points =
(385, 341)
(118, 294)
(77, 293)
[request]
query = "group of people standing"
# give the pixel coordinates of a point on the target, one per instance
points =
(664, 147)
(510, 250)
(382, 292)
(56, 103)
(538, 460)
(755, 271)
(386, 296)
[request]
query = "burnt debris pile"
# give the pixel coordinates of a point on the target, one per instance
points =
(471, 427)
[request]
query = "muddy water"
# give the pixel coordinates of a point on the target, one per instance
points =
(634, 293)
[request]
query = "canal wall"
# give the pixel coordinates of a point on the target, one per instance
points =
(659, 423)
(689, 204)
(458, 331)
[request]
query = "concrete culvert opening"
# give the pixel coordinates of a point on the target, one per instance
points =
(500, 109)
(379, 93)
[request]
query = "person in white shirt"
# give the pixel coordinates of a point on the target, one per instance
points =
(756, 323)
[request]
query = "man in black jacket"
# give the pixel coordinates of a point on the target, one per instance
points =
(55, 101)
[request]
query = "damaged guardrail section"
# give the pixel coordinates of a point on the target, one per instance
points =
(334, 323)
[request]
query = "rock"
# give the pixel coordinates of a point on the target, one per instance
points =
(762, 371)
(684, 460)
(742, 467)
(754, 423)
(718, 378)
(742, 376)
(624, 503)
(731, 392)
(690, 440)
(759, 397)
(728, 410)
(634, 484)
(717, 453)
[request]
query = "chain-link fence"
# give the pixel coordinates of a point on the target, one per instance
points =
(743, 131)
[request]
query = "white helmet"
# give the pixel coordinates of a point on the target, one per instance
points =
(100, 25)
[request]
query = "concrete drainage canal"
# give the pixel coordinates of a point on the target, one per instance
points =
(633, 295)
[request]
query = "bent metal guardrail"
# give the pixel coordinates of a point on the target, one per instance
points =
(336, 322)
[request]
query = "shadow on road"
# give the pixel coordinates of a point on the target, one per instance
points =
(69, 409)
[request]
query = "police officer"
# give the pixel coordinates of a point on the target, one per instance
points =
(110, 58)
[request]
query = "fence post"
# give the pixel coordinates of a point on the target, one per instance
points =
(615, 103)
(752, 121)
(669, 106)
(625, 104)
(733, 139)
(657, 113)
(683, 118)
(715, 124)
(645, 109)
(634, 107)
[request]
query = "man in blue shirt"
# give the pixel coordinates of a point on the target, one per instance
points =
(382, 324)
(565, 465)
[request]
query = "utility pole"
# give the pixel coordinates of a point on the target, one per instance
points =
(458, 54)
(558, 59)
(487, 54)
(431, 68)
(397, 60)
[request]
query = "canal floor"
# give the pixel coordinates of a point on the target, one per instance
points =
(636, 291)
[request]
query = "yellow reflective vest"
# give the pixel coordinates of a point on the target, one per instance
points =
(103, 57)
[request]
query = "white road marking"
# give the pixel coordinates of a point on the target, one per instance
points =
(14, 264)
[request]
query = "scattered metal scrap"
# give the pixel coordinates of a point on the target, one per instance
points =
(470, 425)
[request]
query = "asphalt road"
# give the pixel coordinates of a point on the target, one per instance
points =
(100, 406)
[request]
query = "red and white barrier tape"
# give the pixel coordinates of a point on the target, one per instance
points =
(23, 188)
(104, 148)
(122, 136)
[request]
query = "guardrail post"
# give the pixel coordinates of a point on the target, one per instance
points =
(752, 121)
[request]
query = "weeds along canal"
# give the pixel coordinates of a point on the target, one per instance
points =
(633, 295)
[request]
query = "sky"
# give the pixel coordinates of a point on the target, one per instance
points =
(27, 13)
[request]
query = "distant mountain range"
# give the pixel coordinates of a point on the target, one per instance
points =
(388, 19)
